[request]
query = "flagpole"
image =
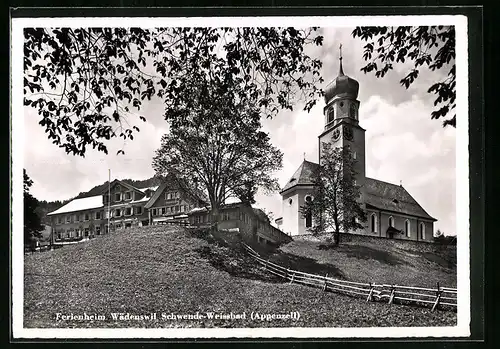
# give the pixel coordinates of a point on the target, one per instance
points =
(109, 200)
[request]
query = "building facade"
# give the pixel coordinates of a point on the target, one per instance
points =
(392, 212)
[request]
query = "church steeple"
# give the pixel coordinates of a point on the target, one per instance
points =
(341, 70)
(341, 114)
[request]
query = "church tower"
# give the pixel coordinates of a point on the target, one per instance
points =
(342, 119)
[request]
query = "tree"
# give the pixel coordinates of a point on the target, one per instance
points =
(32, 222)
(433, 47)
(335, 203)
(85, 82)
(219, 147)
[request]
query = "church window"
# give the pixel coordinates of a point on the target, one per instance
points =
(290, 201)
(330, 115)
(391, 222)
(341, 104)
(308, 219)
(373, 221)
(354, 155)
(352, 111)
(407, 228)
(308, 198)
(422, 231)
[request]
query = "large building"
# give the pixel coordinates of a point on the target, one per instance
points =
(128, 206)
(391, 211)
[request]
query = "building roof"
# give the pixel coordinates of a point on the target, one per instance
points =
(391, 197)
(126, 185)
(87, 203)
(302, 176)
(156, 195)
(342, 86)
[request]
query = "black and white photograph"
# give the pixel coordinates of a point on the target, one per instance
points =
(258, 177)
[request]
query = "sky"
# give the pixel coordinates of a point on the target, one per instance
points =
(403, 144)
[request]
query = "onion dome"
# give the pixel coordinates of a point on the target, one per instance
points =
(342, 86)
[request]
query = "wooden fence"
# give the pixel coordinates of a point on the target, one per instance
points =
(443, 297)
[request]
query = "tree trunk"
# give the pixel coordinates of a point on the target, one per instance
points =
(337, 237)
(214, 218)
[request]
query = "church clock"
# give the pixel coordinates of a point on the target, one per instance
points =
(336, 134)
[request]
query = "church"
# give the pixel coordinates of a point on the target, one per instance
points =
(391, 210)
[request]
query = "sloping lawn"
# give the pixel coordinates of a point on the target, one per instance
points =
(365, 261)
(168, 270)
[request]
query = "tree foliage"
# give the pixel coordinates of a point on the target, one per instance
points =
(432, 47)
(32, 222)
(335, 206)
(219, 147)
(87, 83)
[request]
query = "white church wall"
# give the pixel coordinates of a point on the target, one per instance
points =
(289, 211)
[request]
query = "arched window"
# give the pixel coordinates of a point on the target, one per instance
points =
(422, 231)
(391, 222)
(330, 115)
(352, 111)
(290, 201)
(308, 219)
(407, 228)
(373, 222)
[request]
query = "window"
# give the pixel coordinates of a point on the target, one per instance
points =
(68, 219)
(354, 155)
(407, 228)
(373, 222)
(422, 231)
(308, 219)
(128, 195)
(98, 230)
(391, 222)
(153, 212)
(330, 115)
(128, 211)
(183, 208)
(308, 198)
(128, 225)
(118, 213)
(290, 201)
(352, 111)
(86, 232)
(75, 218)
(118, 226)
(87, 216)
(163, 210)
(138, 210)
(80, 218)
(98, 215)
(118, 196)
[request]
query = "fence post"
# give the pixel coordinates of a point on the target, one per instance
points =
(371, 292)
(391, 298)
(267, 262)
(293, 275)
(324, 287)
(438, 297)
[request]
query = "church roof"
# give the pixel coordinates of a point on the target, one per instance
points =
(391, 197)
(302, 176)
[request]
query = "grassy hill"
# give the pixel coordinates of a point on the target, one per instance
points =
(170, 270)
(366, 259)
